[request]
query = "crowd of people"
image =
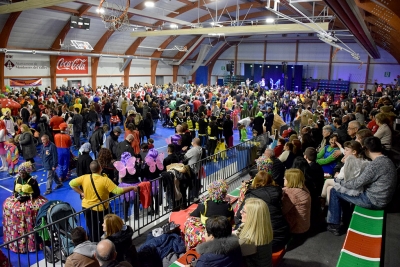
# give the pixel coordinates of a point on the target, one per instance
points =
(326, 152)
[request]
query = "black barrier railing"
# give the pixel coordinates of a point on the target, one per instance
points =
(56, 245)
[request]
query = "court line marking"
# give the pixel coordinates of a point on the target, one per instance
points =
(5, 188)
(9, 177)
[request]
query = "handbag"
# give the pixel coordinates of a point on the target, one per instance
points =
(98, 196)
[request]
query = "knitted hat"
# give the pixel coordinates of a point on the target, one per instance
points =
(217, 190)
(264, 164)
(63, 126)
(25, 167)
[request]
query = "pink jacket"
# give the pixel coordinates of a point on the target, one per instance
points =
(296, 207)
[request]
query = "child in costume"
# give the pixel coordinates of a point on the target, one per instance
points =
(12, 156)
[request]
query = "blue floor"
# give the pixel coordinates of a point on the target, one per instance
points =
(67, 194)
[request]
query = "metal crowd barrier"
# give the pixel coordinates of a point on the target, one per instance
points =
(223, 165)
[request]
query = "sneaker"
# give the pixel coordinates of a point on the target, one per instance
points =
(59, 186)
(47, 192)
(334, 229)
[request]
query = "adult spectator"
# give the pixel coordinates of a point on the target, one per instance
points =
(121, 235)
(377, 181)
(63, 142)
(384, 132)
(83, 253)
(55, 121)
(296, 202)
(287, 155)
(50, 162)
(265, 188)
(27, 143)
(24, 113)
(106, 255)
(95, 189)
(227, 131)
(310, 154)
(221, 248)
(96, 140)
(125, 146)
(172, 157)
(77, 122)
(258, 123)
(269, 120)
(107, 112)
(84, 160)
(326, 133)
(196, 104)
(148, 125)
(278, 168)
(341, 131)
(112, 140)
(352, 129)
(305, 116)
(255, 234)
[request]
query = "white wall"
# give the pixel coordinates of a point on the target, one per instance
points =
(314, 57)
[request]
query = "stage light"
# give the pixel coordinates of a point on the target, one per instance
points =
(270, 20)
(276, 66)
(149, 4)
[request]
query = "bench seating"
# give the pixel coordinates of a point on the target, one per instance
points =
(363, 243)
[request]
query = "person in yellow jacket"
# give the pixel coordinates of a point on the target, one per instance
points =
(78, 105)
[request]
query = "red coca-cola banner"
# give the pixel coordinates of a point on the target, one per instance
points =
(72, 65)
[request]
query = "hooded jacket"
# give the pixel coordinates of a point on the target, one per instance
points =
(220, 252)
(83, 256)
(112, 143)
(123, 242)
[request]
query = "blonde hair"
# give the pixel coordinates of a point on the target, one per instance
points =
(257, 229)
(113, 224)
(25, 128)
(294, 178)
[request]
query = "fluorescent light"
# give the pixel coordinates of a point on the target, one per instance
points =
(149, 4)
(270, 20)
(173, 26)
(100, 10)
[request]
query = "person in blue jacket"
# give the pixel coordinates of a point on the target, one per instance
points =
(50, 163)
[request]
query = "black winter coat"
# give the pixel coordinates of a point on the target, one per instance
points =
(227, 128)
(96, 140)
(122, 147)
(258, 125)
(272, 195)
(123, 242)
(82, 166)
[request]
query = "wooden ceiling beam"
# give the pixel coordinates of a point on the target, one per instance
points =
(29, 4)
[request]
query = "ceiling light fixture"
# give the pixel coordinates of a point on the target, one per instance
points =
(173, 26)
(270, 20)
(149, 4)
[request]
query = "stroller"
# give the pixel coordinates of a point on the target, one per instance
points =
(57, 237)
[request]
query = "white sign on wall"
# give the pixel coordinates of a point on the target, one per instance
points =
(11, 63)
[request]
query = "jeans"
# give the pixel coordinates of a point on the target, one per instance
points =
(155, 121)
(51, 176)
(337, 199)
(77, 139)
(107, 120)
(63, 162)
(90, 127)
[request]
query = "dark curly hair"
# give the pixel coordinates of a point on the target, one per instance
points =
(105, 157)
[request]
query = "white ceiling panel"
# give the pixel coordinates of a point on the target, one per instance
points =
(192, 15)
(155, 41)
(3, 20)
(37, 28)
(72, 5)
(144, 52)
(92, 36)
(144, 19)
(169, 53)
(119, 42)
(168, 5)
(181, 41)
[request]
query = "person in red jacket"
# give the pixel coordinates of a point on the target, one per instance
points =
(55, 122)
(63, 142)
